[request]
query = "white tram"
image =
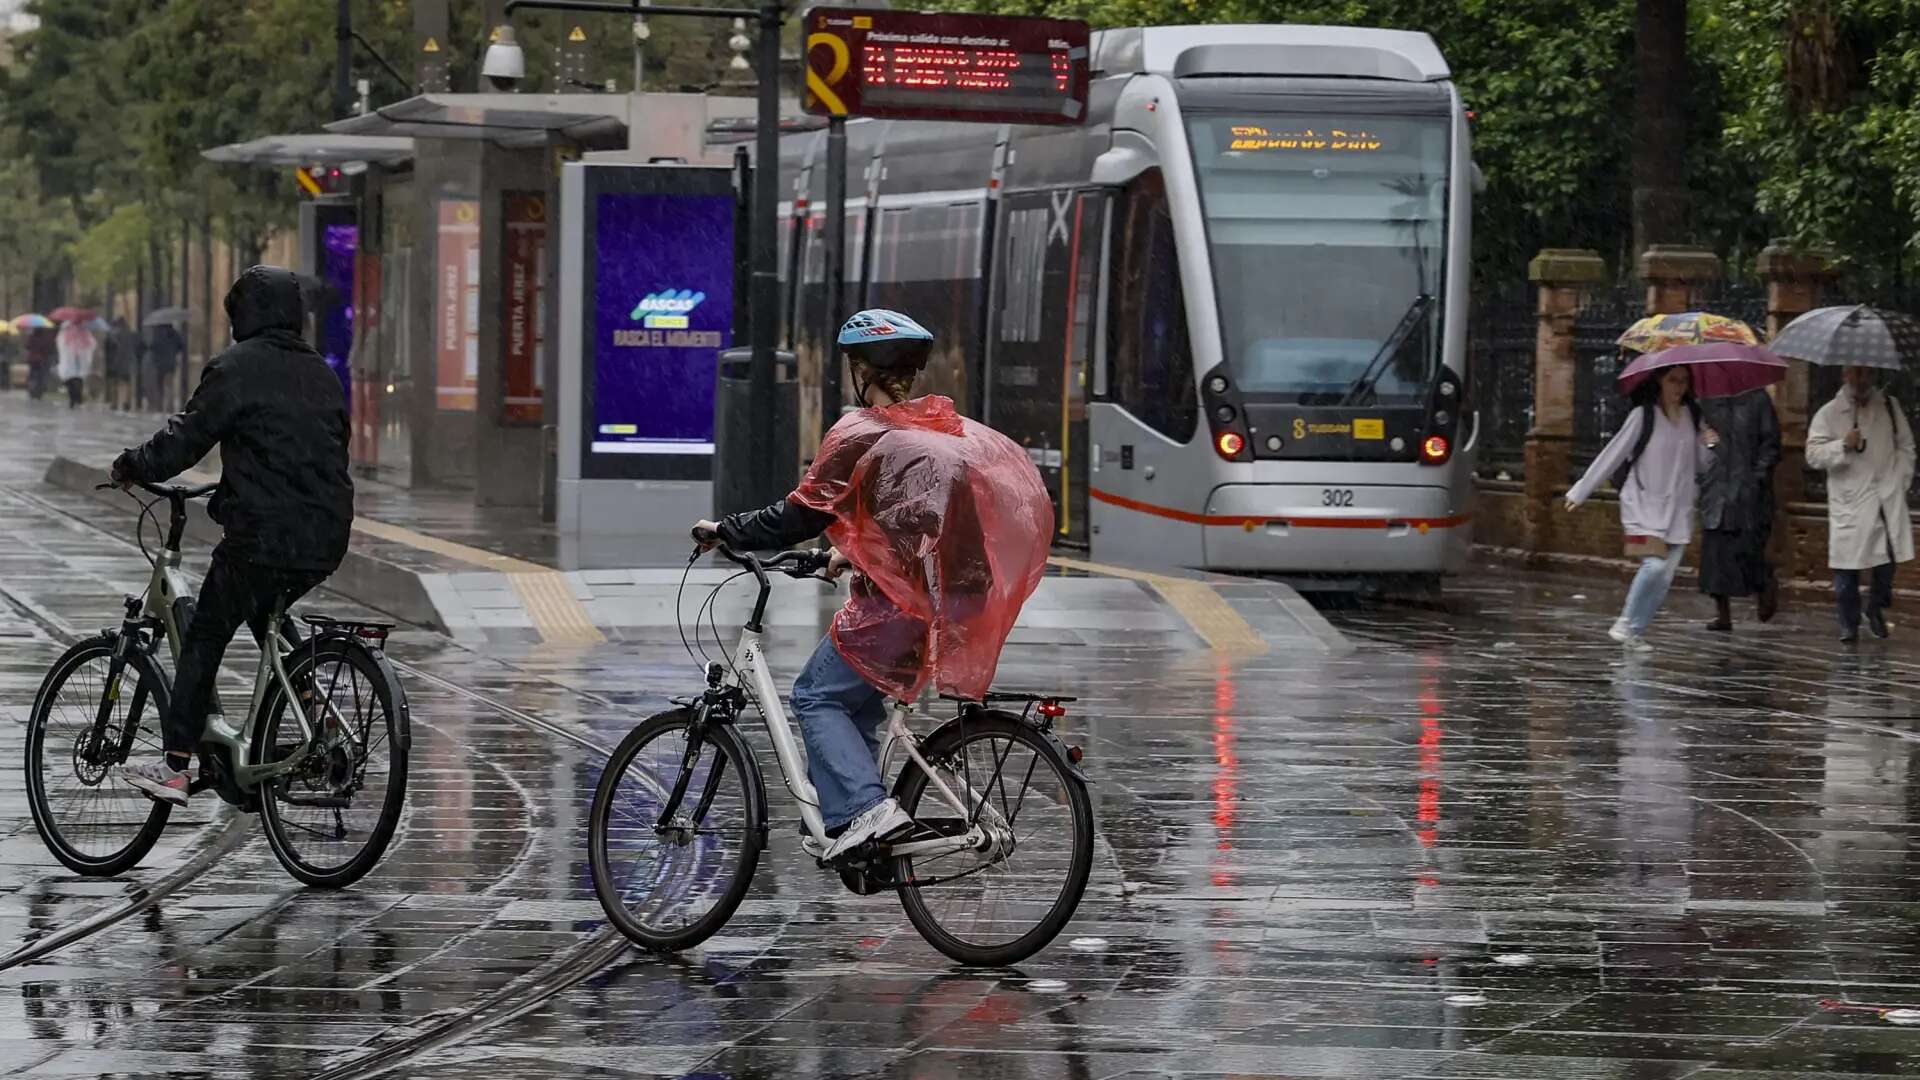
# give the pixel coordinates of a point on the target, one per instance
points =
(1227, 316)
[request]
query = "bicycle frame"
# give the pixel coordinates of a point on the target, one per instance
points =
(750, 662)
(167, 585)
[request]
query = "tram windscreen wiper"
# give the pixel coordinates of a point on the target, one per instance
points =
(1388, 350)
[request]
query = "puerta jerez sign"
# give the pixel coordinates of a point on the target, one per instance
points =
(909, 65)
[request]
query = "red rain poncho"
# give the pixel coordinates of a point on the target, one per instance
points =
(949, 525)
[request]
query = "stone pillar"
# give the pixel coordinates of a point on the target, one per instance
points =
(1561, 274)
(1675, 276)
(1795, 281)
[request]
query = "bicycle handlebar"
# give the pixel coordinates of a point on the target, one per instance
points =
(804, 564)
(166, 491)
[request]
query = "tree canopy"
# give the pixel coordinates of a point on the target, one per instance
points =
(1804, 115)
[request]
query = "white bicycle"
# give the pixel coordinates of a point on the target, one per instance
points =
(995, 866)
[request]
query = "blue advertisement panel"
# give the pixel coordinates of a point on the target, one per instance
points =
(663, 307)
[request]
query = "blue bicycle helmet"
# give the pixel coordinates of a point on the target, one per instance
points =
(886, 341)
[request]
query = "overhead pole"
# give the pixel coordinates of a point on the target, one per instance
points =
(343, 60)
(835, 270)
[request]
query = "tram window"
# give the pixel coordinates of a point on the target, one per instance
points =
(1151, 358)
(926, 262)
(1350, 213)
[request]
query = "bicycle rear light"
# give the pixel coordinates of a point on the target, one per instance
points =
(1052, 709)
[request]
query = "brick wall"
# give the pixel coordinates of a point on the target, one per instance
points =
(1593, 532)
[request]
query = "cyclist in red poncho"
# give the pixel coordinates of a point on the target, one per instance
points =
(947, 524)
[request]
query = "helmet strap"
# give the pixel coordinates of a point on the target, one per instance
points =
(860, 385)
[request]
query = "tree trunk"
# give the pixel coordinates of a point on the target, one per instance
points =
(1659, 124)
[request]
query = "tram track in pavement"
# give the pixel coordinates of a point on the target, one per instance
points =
(514, 999)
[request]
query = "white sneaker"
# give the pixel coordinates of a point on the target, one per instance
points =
(1637, 645)
(1620, 632)
(884, 820)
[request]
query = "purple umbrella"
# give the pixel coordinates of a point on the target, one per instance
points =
(1720, 368)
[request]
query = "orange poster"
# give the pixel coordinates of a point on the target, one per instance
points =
(457, 305)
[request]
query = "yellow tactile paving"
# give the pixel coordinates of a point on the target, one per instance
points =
(557, 614)
(1204, 609)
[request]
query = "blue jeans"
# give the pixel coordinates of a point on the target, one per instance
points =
(1846, 592)
(841, 717)
(1649, 588)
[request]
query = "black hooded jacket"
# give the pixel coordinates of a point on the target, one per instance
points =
(278, 414)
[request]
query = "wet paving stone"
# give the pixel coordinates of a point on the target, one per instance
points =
(1483, 845)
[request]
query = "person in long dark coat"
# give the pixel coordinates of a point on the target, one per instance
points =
(1736, 505)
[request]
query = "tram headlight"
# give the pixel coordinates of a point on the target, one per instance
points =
(1230, 443)
(1435, 449)
(1224, 414)
(1217, 384)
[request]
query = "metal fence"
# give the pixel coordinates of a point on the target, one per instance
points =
(1598, 408)
(1500, 341)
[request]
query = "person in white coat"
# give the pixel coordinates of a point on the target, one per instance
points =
(75, 347)
(1656, 458)
(1862, 441)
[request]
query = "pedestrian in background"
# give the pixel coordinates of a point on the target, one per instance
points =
(1654, 461)
(9, 348)
(77, 350)
(119, 349)
(1736, 506)
(163, 353)
(1863, 442)
(41, 351)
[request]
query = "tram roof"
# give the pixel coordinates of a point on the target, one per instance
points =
(1270, 49)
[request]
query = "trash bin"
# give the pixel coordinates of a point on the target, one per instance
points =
(734, 433)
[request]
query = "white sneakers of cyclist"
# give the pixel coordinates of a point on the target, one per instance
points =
(883, 820)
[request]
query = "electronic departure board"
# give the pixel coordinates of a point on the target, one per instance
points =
(909, 65)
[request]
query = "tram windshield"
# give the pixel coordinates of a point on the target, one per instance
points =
(1326, 233)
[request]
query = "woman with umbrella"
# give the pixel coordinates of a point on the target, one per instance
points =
(40, 350)
(1862, 440)
(1655, 458)
(77, 346)
(1736, 493)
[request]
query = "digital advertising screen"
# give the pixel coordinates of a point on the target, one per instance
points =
(661, 265)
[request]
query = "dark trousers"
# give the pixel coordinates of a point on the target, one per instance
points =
(76, 392)
(1846, 592)
(236, 591)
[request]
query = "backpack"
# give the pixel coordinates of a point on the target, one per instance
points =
(1645, 436)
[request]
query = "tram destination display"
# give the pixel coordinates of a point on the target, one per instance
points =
(909, 65)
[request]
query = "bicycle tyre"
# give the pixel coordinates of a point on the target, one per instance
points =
(148, 699)
(283, 834)
(600, 826)
(945, 745)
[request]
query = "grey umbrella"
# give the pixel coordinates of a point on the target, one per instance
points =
(172, 316)
(1857, 334)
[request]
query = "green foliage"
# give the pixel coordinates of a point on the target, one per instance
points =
(111, 252)
(1551, 82)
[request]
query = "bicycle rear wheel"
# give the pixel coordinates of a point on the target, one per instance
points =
(90, 819)
(1001, 905)
(330, 819)
(671, 888)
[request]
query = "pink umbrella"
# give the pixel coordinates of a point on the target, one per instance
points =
(1720, 368)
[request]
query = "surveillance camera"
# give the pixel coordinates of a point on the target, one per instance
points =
(505, 63)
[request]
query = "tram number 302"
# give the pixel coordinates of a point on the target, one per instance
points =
(1336, 496)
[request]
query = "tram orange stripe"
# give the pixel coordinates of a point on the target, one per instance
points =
(1242, 520)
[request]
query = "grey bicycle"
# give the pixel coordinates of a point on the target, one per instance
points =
(321, 753)
(995, 866)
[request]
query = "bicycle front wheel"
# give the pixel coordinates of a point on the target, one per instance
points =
(90, 819)
(1001, 904)
(331, 817)
(669, 881)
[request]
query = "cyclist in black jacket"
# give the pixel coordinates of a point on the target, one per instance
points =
(285, 500)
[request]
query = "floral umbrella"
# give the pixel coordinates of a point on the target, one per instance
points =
(1656, 332)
